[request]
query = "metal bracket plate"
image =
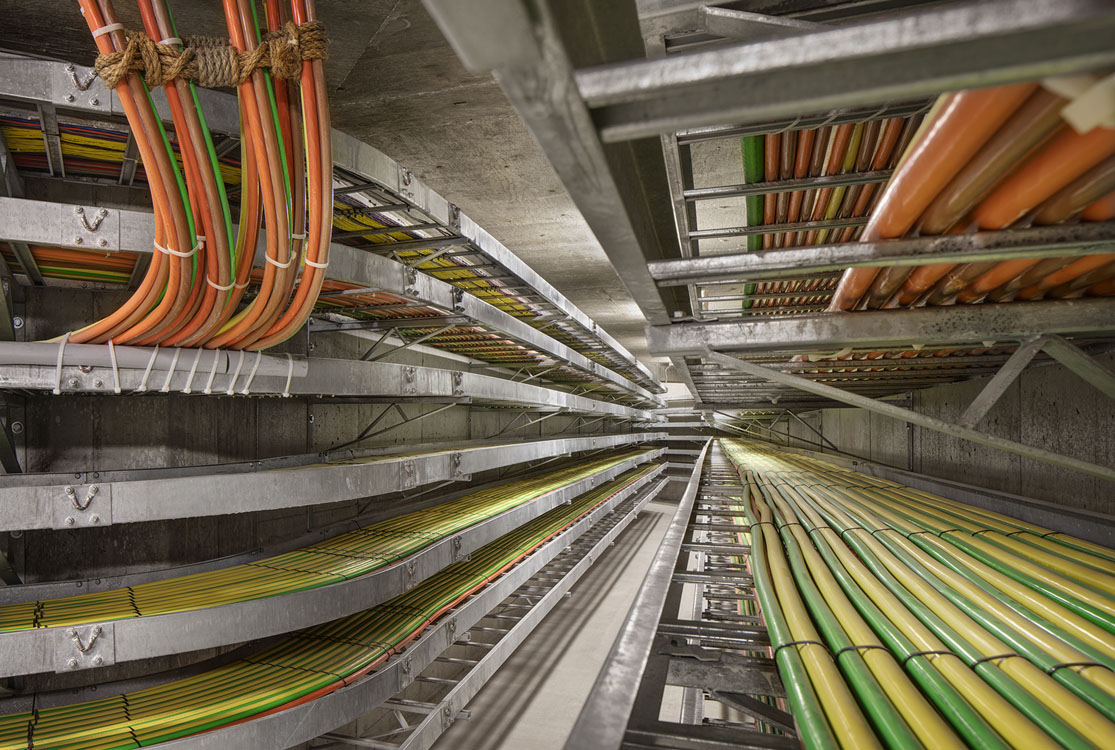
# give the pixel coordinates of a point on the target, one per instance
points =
(78, 506)
(84, 647)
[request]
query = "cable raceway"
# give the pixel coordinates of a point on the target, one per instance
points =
(900, 619)
(341, 558)
(304, 666)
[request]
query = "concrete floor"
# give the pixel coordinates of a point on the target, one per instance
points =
(534, 699)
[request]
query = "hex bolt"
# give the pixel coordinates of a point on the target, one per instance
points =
(17, 322)
(94, 101)
(98, 383)
(102, 242)
(93, 489)
(72, 663)
(98, 660)
(70, 491)
(70, 521)
(74, 382)
(94, 519)
(69, 97)
(78, 241)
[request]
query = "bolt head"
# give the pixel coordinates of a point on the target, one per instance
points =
(69, 97)
(72, 663)
(94, 101)
(74, 382)
(102, 242)
(71, 632)
(70, 521)
(98, 383)
(70, 491)
(94, 489)
(79, 241)
(94, 519)
(17, 322)
(98, 660)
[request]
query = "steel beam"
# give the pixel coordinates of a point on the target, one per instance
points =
(608, 186)
(1038, 242)
(603, 720)
(1000, 382)
(903, 55)
(925, 326)
(1081, 363)
(912, 417)
(50, 649)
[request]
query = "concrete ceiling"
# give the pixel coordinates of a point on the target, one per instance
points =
(397, 85)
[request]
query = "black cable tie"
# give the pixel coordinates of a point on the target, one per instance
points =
(942, 533)
(761, 523)
(798, 643)
(977, 662)
(857, 648)
(923, 531)
(1055, 667)
(982, 531)
(1051, 533)
(1020, 531)
(925, 653)
(852, 528)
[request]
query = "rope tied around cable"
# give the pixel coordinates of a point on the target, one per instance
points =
(211, 62)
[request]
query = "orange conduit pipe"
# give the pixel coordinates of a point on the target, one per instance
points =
(1067, 157)
(964, 123)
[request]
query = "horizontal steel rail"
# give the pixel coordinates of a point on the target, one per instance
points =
(56, 83)
(1038, 242)
(59, 501)
(883, 328)
(116, 641)
(88, 369)
(785, 186)
(903, 55)
(59, 224)
(304, 722)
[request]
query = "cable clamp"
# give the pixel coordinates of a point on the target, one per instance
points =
(218, 287)
(58, 368)
(115, 367)
(1055, 667)
(170, 372)
(860, 648)
(147, 372)
(799, 643)
(314, 264)
(193, 370)
(232, 383)
(246, 390)
(107, 29)
(977, 662)
(289, 375)
(277, 264)
(212, 373)
(912, 654)
(176, 253)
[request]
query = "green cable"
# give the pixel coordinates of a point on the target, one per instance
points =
(813, 728)
(872, 697)
(1049, 722)
(275, 120)
(752, 152)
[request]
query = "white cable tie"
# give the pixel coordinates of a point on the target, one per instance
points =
(232, 383)
(244, 285)
(171, 40)
(190, 380)
(246, 390)
(315, 264)
(147, 373)
(277, 264)
(289, 375)
(107, 29)
(212, 372)
(170, 372)
(115, 367)
(187, 254)
(218, 287)
(58, 368)
(298, 236)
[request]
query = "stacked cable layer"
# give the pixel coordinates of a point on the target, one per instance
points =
(305, 666)
(351, 555)
(900, 619)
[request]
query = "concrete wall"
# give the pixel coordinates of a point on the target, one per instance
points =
(1048, 407)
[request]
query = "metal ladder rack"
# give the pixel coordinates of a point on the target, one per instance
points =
(686, 631)
(415, 717)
